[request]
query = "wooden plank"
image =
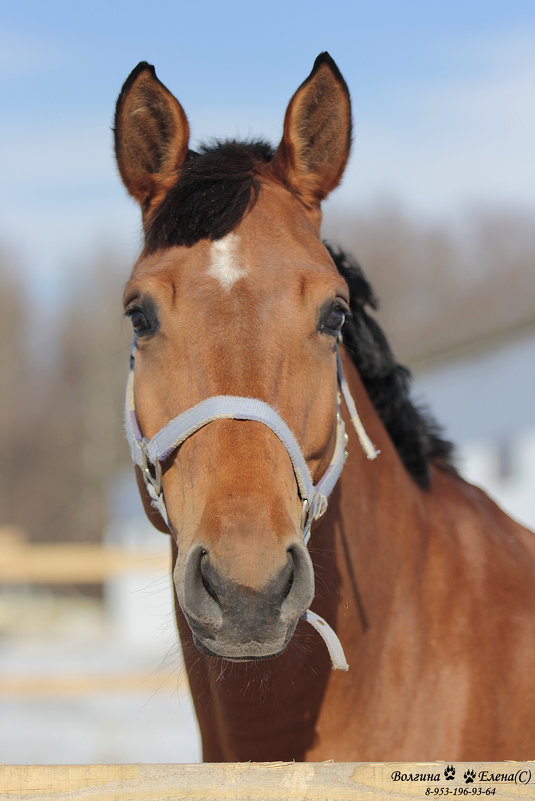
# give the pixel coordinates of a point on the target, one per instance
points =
(327, 781)
(11, 536)
(65, 563)
(68, 685)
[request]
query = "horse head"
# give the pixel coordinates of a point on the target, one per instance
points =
(234, 295)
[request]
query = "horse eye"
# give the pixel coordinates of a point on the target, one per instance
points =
(143, 313)
(333, 321)
(139, 321)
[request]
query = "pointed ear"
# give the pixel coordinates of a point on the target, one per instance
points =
(151, 136)
(313, 153)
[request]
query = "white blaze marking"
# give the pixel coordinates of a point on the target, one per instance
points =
(226, 264)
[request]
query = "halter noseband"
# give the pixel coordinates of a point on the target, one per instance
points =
(149, 454)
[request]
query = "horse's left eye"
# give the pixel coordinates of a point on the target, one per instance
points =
(333, 320)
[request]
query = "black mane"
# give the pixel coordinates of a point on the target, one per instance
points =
(215, 188)
(414, 432)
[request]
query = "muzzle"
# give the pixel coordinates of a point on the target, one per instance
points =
(149, 454)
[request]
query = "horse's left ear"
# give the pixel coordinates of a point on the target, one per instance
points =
(315, 145)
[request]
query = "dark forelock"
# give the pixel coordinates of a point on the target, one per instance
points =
(215, 188)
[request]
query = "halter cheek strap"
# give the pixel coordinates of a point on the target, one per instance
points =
(149, 454)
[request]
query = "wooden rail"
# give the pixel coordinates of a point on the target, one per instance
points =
(66, 563)
(66, 685)
(259, 782)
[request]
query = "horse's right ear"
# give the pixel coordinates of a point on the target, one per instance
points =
(151, 137)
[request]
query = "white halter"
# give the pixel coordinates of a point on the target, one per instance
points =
(148, 455)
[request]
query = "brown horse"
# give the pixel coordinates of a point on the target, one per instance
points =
(237, 309)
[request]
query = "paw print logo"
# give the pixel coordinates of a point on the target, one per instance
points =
(449, 773)
(469, 776)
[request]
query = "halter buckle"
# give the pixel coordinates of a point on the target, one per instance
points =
(152, 471)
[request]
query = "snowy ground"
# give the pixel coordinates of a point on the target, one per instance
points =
(79, 695)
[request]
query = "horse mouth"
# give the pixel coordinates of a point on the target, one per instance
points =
(208, 652)
(252, 651)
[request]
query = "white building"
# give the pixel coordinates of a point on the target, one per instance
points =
(485, 400)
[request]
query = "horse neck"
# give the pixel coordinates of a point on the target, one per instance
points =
(375, 524)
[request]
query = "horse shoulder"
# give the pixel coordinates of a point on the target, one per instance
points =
(478, 589)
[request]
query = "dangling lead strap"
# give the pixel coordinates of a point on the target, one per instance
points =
(334, 646)
(329, 637)
(367, 446)
(148, 455)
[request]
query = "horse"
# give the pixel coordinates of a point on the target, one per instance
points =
(265, 407)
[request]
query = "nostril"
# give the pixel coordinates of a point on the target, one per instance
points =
(208, 588)
(299, 586)
(291, 564)
(196, 589)
(289, 586)
(203, 567)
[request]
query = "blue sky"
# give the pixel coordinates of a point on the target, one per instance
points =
(443, 97)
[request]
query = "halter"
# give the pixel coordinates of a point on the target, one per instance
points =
(149, 454)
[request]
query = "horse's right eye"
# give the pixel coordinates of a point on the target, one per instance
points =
(143, 313)
(139, 321)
